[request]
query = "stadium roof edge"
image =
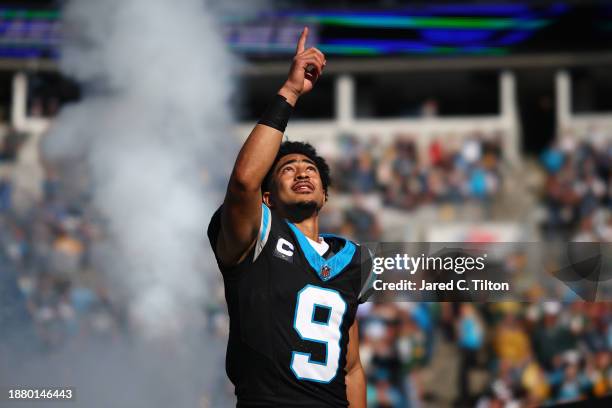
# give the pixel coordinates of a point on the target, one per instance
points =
(386, 65)
(382, 65)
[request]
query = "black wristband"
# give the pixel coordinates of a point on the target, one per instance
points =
(277, 114)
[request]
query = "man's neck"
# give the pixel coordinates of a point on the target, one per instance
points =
(308, 224)
(309, 227)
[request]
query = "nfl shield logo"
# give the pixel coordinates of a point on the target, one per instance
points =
(325, 272)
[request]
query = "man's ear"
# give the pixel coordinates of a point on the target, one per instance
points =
(267, 199)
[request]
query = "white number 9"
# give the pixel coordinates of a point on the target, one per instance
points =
(328, 333)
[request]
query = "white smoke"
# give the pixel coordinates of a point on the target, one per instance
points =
(155, 112)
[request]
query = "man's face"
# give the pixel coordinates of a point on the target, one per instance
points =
(296, 181)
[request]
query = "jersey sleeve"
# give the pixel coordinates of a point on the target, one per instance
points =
(367, 275)
(214, 228)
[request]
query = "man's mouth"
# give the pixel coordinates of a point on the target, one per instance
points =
(303, 187)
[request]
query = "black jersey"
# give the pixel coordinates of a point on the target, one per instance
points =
(290, 312)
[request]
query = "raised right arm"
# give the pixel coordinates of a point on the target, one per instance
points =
(241, 212)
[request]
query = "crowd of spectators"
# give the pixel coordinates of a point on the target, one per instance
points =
(49, 255)
(453, 171)
(548, 352)
(399, 175)
(528, 354)
(578, 190)
(396, 343)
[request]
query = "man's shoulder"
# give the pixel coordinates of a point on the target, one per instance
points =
(214, 233)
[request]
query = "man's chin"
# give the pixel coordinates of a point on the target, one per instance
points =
(306, 205)
(300, 210)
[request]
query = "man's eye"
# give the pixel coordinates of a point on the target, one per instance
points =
(286, 169)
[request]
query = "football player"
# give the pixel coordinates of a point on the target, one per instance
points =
(292, 292)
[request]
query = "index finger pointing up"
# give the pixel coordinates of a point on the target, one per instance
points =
(302, 41)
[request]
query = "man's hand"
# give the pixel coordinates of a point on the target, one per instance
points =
(306, 68)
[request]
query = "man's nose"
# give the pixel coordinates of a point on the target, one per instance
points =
(302, 174)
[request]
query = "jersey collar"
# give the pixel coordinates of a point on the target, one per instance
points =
(326, 269)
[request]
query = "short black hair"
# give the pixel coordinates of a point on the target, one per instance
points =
(307, 150)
